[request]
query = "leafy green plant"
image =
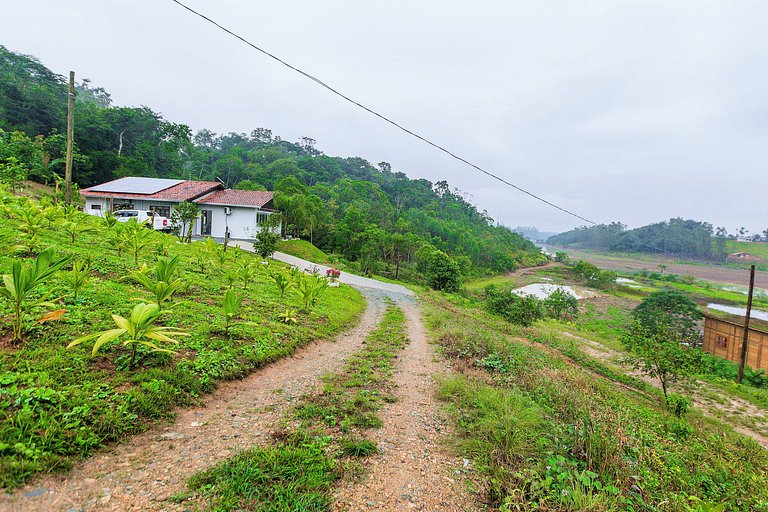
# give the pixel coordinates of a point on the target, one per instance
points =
(78, 277)
(136, 238)
(562, 305)
(76, 228)
(309, 291)
(108, 220)
(283, 283)
(19, 285)
(32, 223)
(231, 307)
(163, 285)
(288, 316)
(247, 272)
(522, 310)
(140, 329)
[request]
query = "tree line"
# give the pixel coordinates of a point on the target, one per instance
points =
(681, 237)
(371, 215)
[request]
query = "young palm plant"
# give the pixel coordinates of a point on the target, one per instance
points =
(163, 285)
(247, 272)
(136, 238)
(76, 228)
(19, 285)
(283, 283)
(140, 330)
(231, 308)
(78, 277)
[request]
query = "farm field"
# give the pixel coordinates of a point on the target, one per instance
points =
(714, 273)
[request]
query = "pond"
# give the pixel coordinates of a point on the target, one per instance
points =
(735, 310)
(544, 290)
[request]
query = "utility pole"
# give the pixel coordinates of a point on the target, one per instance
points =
(70, 139)
(743, 359)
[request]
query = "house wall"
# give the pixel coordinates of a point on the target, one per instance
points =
(137, 204)
(241, 222)
(757, 346)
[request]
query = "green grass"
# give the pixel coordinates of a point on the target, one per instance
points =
(304, 250)
(547, 432)
(59, 405)
(322, 436)
(759, 249)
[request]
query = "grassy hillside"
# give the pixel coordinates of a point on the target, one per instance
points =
(548, 427)
(759, 249)
(58, 405)
(303, 249)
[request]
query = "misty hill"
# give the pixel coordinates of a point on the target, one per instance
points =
(533, 234)
(373, 216)
(684, 238)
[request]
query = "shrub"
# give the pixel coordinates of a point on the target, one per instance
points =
(522, 310)
(443, 272)
(561, 305)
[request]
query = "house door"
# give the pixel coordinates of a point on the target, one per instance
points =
(205, 222)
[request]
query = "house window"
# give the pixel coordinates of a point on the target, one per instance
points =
(95, 207)
(721, 341)
(163, 211)
(261, 218)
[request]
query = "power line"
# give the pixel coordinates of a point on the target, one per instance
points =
(381, 116)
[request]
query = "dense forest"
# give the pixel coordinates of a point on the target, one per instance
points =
(372, 216)
(679, 237)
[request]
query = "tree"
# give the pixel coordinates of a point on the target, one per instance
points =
(183, 220)
(443, 272)
(662, 337)
(522, 310)
(562, 305)
(266, 242)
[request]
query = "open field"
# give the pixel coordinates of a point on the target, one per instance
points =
(714, 273)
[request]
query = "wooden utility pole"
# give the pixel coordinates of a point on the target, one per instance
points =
(70, 139)
(743, 359)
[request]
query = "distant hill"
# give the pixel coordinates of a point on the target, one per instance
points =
(533, 234)
(678, 237)
(373, 216)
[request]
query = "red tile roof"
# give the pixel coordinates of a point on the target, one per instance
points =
(184, 191)
(254, 198)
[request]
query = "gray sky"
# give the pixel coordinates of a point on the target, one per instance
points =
(635, 111)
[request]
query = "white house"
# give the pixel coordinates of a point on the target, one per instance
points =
(241, 211)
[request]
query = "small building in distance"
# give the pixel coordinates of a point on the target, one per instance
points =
(242, 212)
(723, 338)
(744, 256)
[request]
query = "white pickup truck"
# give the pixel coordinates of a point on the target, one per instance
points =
(144, 217)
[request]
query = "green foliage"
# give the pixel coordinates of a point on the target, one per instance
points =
(231, 308)
(163, 285)
(135, 238)
(304, 250)
(309, 290)
(140, 330)
(183, 220)
(562, 257)
(247, 272)
(561, 305)
(282, 282)
(593, 276)
(522, 310)
(670, 313)
(544, 434)
(19, 287)
(266, 242)
(686, 238)
(58, 406)
(77, 278)
(443, 272)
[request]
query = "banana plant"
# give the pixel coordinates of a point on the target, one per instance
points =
(163, 285)
(231, 308)
(19, 285)
(140, 330)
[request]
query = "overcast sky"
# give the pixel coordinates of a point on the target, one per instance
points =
(635, 111)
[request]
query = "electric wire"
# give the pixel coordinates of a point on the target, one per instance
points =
(381, 116)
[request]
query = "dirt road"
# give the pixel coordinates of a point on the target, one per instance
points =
(142, 473)
(412, 470)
